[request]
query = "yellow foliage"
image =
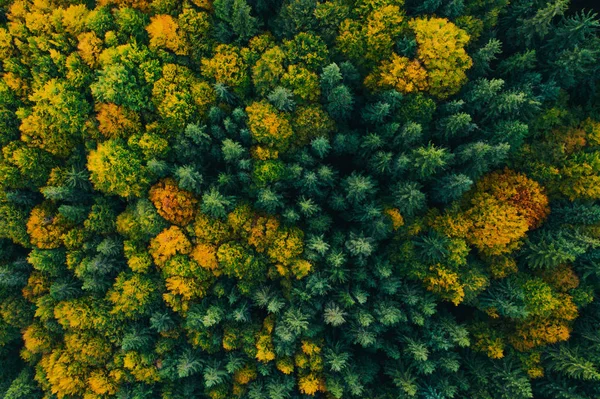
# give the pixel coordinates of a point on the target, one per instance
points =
(240, 220)
(441, 50)
(371, 38)
(395, 217)
(174, 204)
(488, 340)
(117, 170)
(142, 5)
(310, 348)
(140, 367)
(263, 232)
(185, 281)
(497, 226)
(211, 230)
(138, 259)
(206, 256)
(73, 19)
(268, 126)
(502, 266)
(263, 153)
(45, 228)
(81, 313)
(453, 223)
(268, 70)
(89, 48)
(302, 82)
(180, 96)
(518, 190)
(301, 268)
(287, 245)
(445, 283)
(264, 341)
(38, 284)
(20, 86)
(63, 374)
(310, 384)
(533, 364)
(36, 339)
(535, 332)
(130, 294)
(57, 121)
(226, 66)
(101, 384)
(167, 244)
(400, 74)
(285, 365)
(592, 131)
(164, 32)
(87, 348)
(230, 338)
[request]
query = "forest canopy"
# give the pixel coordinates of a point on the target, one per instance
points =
(294, 199)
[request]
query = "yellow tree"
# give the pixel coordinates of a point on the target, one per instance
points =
(114, 169)
(268, 126)
(398, 73)
(441, 50)
(164, 32)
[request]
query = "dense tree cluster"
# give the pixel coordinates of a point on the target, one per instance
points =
(285, 199)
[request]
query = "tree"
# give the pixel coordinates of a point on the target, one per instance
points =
(237, 20)
(181, 98)
(177, 206)
(164, 32)
(226, 66)
(268, 126)
(117, 170)
(399, 73)
(441, 51)
(57, 121)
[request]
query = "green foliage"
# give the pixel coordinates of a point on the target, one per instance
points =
(285, 199)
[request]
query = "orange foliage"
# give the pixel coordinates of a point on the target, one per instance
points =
(46, 228)
(89, 48)
(395, 217)
(174, 204)
(497, 227)
(164, 32)
(518, 190)
(117, 121)
(167, 244)
(206, 256)
(539, 331)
